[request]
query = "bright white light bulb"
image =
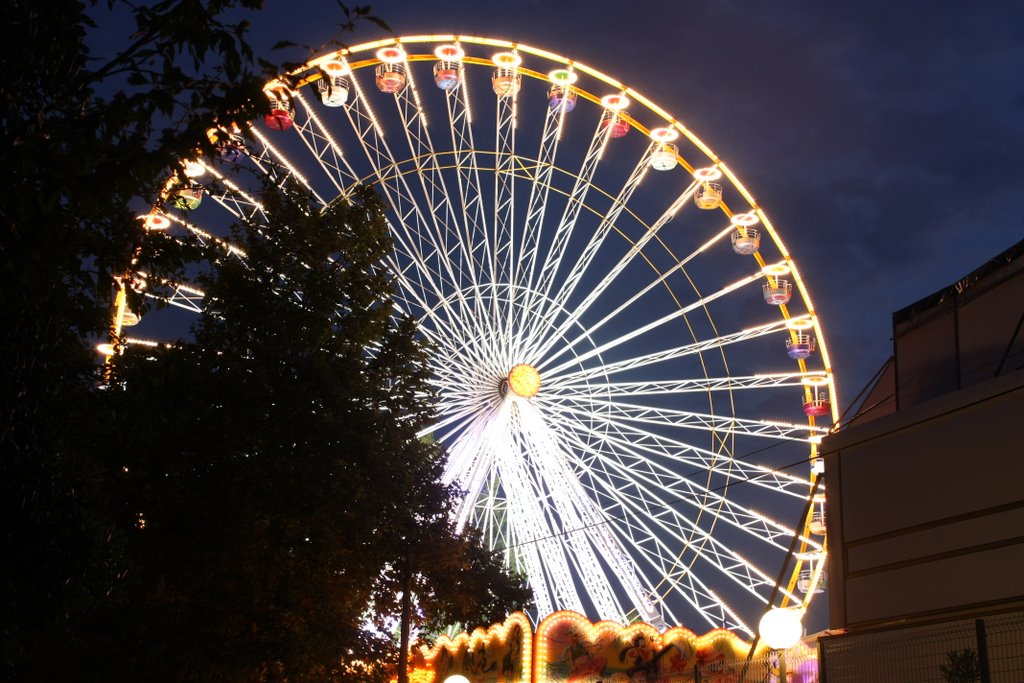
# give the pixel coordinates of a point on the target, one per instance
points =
(780, 628)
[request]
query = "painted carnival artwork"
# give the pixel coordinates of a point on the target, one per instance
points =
(499, 654)
(569, 648)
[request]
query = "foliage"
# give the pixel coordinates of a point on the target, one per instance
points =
(264, 458)
(81, 140)
(288, 482)
(215, 515)
(961, 666)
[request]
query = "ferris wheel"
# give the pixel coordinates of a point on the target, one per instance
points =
(632, 379)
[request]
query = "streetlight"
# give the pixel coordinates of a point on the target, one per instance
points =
(780, 628)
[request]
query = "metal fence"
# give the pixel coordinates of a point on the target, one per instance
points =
(988, 650)
(799, 666)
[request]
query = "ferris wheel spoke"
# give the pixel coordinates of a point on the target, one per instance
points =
(464, 157)
(530, 554)
(632, 438)
(712, 552)
(490, 515)
(470, 465)
(562, 232)
(641, 330)
(274, 165)
(669, 522)
(413, 238)
(646, 359)
(422, 299)
(715, 610)
(681, 386)
(324, 148)
(433, 186)
(714, 423)
(240, 204)
(650, 478)
(536, 207)
(202, 237)
(650, 544)
(568, 285)
(660, 281)
(503, 239)
(180, 296)
(613, 273)
(419, 235)
(440, 320)
(531, 520)
(653, 486)
(577, 511)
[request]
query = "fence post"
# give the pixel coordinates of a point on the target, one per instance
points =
(979, 631)
(696, 673)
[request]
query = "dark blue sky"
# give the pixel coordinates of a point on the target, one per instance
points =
(884, 139)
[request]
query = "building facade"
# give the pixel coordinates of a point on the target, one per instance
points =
(925, 495)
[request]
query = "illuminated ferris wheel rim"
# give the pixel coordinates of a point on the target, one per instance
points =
(564, 397)
(670, 122)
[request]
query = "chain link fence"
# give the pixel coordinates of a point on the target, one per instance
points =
(987, 650)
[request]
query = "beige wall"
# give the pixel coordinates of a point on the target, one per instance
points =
(931, 512)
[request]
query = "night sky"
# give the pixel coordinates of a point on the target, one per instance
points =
(883, 139)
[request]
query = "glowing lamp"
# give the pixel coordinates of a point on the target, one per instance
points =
(524, 380)
(800, 323)
(506, 60)
(457, 678)
(156, 221)
(745, 219)
(780, 628)
(664, 134)
(391, 55)
(708, 174)
(776, 270)
(194, 169)
(105, 349)
(562, 77)
(449, 53)
(615, 102)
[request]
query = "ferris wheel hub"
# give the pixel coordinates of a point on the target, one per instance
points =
(524, 380)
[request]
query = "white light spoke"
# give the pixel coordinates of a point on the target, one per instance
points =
(614, 271)
(658, 495)
(562, 233)
(689, 456)
(672, 354)
(324, 148)
(536, 207)
(273, 164)
(682, 386)
(643, 329)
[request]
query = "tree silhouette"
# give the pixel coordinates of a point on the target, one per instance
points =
(215, 512)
